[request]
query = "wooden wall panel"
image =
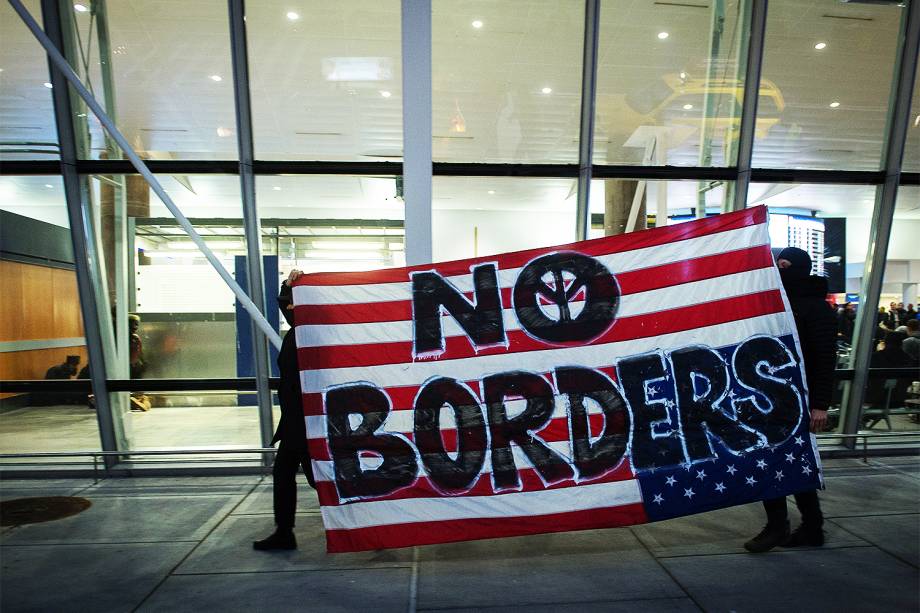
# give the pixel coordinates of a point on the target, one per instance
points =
(20, 365)
(38, 302)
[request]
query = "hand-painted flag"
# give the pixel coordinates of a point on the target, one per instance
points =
(603, 383)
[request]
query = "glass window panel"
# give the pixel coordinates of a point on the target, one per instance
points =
(41, 327)
(476, 216)
(669, 80)
(832, 223)
(27, 129)
(894, 403)
(173, 81)
(912, 145)
(326, 79)
(506, 80)
(831, 64)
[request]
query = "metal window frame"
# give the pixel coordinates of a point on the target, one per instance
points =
(418, 43)
(586, 124)
(899, 109)
(236, 13)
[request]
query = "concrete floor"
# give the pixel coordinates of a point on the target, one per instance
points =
(183, 544)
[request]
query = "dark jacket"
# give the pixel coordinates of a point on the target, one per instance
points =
(292, 429)
(817, 326)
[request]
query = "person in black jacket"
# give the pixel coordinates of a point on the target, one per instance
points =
(292, 454)
(817, 328)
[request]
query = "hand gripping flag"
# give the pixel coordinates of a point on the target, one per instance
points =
(603, 383)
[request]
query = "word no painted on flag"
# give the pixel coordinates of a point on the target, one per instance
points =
(603, 383)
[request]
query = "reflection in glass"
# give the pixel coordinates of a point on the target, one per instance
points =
(833, 64)
(27, 130)
(326, 85)
(670, 83)
(506, 81)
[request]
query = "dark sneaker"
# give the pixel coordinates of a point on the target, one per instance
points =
(803, 536)
(768, 538)
(278, 540)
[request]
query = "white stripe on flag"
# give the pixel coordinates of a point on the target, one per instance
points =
(653, 301)
(591, 356)
(517, 504)
(625, 261)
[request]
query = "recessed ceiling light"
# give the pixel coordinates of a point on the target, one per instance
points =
(80, 8)
(663, 35)
(81, 114)
(216, 78)
(820, 46)
(292, 16)
(477, 24)
(547, 90)
(276, 188)
(683, 75)
(49, 186)
(834, 104)
(491, 192)
(224, 132)
(687, 107)
(385, 94)
(48, 85)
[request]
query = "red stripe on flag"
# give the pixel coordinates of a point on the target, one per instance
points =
(598, 246)
(632, 282)
(627, 328)
(450, 531)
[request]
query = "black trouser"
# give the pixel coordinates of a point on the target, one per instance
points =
(808, 505)
(289, 460)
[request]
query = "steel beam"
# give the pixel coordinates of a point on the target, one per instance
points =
(586, 130)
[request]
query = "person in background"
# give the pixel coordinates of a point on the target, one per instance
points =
(846, 321)
(816, 325)
(910, 312)
(66, 370)
(911, 344)
(293, 453)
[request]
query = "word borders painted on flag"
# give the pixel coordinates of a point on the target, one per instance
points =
(603, 383)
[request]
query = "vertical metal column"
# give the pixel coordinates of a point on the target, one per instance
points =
(736, 199)
(586, 130)
(253, 229)
(883, 215)
(416, 101)
(81, 232)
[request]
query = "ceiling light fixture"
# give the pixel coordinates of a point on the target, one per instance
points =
(48, 85)
(477, 24)
(491, 192)
(547, 90)
(663, 35)
(820, 46)
(834, 104)
(293, 16)
(276, 188)
(216, 78)
(49, 186)
(683, 76)
(687, 107)
(385, 94)
(80, 8)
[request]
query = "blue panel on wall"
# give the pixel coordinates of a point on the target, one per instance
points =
(245, 365)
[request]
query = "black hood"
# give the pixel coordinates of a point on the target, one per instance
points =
(811, 286)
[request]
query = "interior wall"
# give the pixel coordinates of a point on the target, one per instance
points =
(37, 303)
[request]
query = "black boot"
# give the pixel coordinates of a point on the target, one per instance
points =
(805, 536)
(280, 539)
(768, 538)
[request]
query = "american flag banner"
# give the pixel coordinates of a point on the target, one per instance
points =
(603, 383)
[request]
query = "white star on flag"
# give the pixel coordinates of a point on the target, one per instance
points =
(751, 481)
(731, 470)
(671, 480)
(761, 464)
(790, 457)
(652, 391)
(720, 487)
(689, 493)
(779, 475)
(658, 499)
(701, 474)
(806, 470)
(799, 441)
